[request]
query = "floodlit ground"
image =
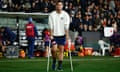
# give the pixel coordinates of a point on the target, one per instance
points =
(80, 64)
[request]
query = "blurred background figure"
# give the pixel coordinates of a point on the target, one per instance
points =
(7, 37)
(85, 15)
(46, 39)
(31, 33)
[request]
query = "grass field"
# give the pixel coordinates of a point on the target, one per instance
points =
(81, 64)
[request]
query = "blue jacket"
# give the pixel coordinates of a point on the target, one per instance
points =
(35, 30)
(36, 33)
(9, 35)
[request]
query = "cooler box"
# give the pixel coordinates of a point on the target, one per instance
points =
(117, 51)
(88, 51)
(12, 52)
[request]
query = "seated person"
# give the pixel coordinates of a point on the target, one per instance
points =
(8, 37)
(114, 43)
(79, 43)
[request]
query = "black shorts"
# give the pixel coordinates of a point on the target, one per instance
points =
(59, 40)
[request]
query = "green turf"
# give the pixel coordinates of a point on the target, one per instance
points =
(84, 64)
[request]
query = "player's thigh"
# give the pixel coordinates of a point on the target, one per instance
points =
(54, 47)
(61, 48)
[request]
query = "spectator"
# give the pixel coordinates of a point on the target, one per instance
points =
(117, 2)
(112, 5)
(41, 3)
(10, 7)
(77, 2)
(114, 25)
(79, 23)
(70, 8)
(114, 42)
(84, 4)
(72, 28)
(0, 4)
(65, 5)
(51, 6)
(104, 22)
(27, 7)
(45, 10)
(4, 5)
(36, 6)
(89, 19)
(86, 22)
(90, 22)
(45, 4)
(17, 5)
(118, 20)
(97, 22)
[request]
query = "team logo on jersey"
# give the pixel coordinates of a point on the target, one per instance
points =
(62, 18)
(29, 26)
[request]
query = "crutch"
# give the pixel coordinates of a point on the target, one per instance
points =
(69, 46)
(48, 62)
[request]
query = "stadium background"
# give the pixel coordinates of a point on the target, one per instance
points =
(100, 13)
(103, 13)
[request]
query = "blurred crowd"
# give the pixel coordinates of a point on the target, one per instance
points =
(86, 15)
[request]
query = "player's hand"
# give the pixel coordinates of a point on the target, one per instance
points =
(8, 42)
(51, 37)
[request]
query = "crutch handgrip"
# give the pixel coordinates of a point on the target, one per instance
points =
(69, 43)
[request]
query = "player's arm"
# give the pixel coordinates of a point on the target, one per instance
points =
(67, 34)
(36, 32)
(50, 22)
(67, 23)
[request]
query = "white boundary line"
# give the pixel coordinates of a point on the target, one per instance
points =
(42, 60)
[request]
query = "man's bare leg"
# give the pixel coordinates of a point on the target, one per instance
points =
(60, 56)
(54, 56)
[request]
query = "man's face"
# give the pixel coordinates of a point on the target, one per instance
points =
(59, 6)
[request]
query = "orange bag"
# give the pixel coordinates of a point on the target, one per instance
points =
(22, 54)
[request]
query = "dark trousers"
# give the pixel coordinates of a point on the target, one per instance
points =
(31, 41)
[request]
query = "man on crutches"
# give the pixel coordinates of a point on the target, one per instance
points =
(59, 21)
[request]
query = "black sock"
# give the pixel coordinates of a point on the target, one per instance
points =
(59, 63)
(54, 60)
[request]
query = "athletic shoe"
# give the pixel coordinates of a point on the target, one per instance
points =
(59, 69)
(116, 56)
(54, 66)
(31, 57)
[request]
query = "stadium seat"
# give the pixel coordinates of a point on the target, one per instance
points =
(103, 46)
